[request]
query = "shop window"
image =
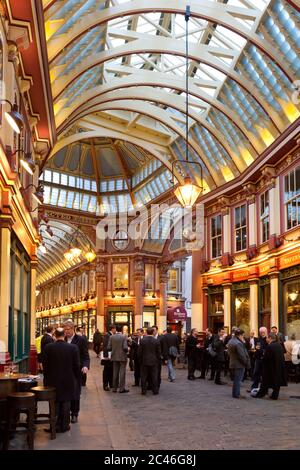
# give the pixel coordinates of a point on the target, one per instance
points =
(1, 77)
(216, 236)
(19, 331)
(292, 198)
(148, 319)
(120, 276)
(292, 308)
(149, 276)
(215, 308)
(173, 282)
(265, 303)
(264, 217)
(240, 227)
(241, 308)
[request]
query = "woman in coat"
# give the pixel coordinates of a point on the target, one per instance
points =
(273, 368)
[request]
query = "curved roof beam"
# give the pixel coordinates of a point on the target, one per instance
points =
(219, 13)
(152, 149)
(156, 80)
(200, 52)
(172, 100)
(164, 117)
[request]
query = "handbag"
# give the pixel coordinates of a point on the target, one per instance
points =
(211, 351)
(173, 352)
(104, 360)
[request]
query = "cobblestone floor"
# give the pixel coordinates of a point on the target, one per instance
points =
(186, 415)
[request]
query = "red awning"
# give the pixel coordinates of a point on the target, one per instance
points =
(176, 314)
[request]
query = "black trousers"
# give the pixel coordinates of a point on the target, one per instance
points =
(192, 362)
(62, 415)
(75, 407)
(97, 348)
(83, 379)
(204, 363)
(264, 390)
(137, 371)
(216, 368)
(108, 374)
(151, 372)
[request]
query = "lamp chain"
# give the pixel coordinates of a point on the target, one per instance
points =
(187, 17)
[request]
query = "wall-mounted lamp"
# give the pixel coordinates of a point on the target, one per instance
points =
(13, 117)
(293, 296)
(27, 161)
(38, 195)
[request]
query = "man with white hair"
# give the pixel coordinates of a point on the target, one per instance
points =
(258, 356)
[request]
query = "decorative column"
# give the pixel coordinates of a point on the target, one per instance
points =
(163, 302)
(101, 273)
(227, 305)
(274, 283)
(197, 291)
(33, 353)
(139, 277)
(5, 239)
(254, 305)
(226, 258)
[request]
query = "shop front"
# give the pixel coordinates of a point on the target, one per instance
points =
(121, 316)
(241, 306)
(149, 316)
(264, 302)
(215, 308)
(290, 295)
(176, 319)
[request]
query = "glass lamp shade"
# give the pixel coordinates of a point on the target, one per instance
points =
(28, 165)
(68, 255)
(90, 256)
(75, 251)
(43, 249)
(188, 193)
(15, 119)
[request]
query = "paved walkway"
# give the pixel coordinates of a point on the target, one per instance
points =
(186, 415)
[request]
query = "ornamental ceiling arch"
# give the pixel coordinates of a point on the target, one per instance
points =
(117, 68)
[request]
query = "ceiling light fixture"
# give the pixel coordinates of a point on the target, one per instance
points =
(38, 195)
(13, 117)
(27, 161)
(187, 193)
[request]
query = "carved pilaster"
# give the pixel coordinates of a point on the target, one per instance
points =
(163, 272)
(101, 271)
(138, 269)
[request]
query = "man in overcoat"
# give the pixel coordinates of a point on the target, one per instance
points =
(62, 371)
(273, 375)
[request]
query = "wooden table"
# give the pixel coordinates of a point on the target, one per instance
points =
(9, 384)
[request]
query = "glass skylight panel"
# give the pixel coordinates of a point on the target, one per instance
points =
(47, 190)
(85, 203)
(72, 181)
(111, 185)
(92, 204)
(48, 175)
(54, 196)
(70, 199)
(87, 185)
(64, 179)
(62, 198)
(94, 186)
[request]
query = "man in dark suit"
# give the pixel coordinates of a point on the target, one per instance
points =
(219, 347)
(149, 355)
(168, 340)
(273, 373)
(135, 345)
(191, 352)
(62, 371)
(84, 358)
(205, 357)
(46, 339)
(108, 365)
(118, 345)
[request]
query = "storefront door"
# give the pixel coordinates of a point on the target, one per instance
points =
(121, 318)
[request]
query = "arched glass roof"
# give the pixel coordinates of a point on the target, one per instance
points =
(53, 262)
(117, 70)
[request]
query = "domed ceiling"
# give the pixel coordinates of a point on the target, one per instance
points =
(117, 70)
